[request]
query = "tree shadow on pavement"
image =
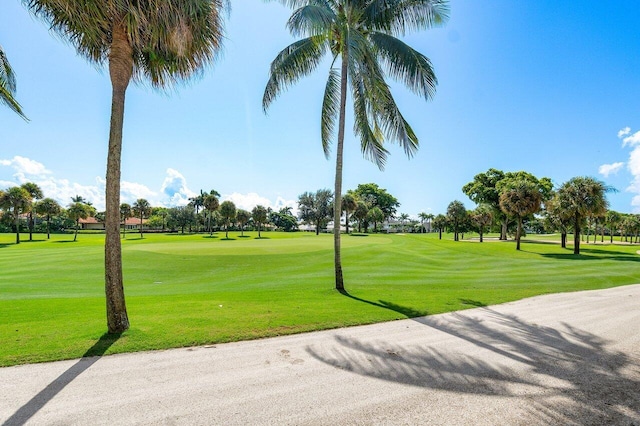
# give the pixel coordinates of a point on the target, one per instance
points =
(585, 381)
(36, 403)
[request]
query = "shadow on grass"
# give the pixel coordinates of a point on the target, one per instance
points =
(359, 235)
(211, 237)
(568, 375)
(227, 239)
(36, 403)
(472, 303)
(404, 310)
(590, 254)
(244, 236)
(64, 241)
(262, 238)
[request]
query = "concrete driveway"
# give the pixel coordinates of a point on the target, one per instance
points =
(569, 359)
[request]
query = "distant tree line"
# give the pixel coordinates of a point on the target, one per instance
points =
(516, 201)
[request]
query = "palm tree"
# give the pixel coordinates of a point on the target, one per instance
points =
(375, 215)
(36, 193)
(362, 35)
(349, 205)
(520, 199)
(8, 85)
(482, 217)
(163, 42)
(360, 213)
(211, 204)
(613, 220)
(77, 211)
(259, 214)
(423, 217)
(456, 214)
(48, 207)
(243, 217)
(440, 222)
(558, 218)
(581, 197)
(403, 219)
(15, 201)
(141, 208)
(228, 214)
(125, 213)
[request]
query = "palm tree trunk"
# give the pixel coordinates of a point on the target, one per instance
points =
(141, 236)
(75, 234)
(518, 233)
(17, 222)
(346, 221)
(503, 230)
(30, 226)
(338, 187)
(120, 71)
(576, 235)
(48, 232)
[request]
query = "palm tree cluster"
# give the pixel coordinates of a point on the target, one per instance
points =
(578, 204)
(26, 203)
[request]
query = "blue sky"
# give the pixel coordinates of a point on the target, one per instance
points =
(550, 87)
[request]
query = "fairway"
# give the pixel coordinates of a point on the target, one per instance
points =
(187, 290)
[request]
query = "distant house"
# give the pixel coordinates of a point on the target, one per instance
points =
(91, 223)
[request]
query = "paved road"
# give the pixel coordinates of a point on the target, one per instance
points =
(558, 359)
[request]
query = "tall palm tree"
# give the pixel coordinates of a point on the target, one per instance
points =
(361, 34)
(141, 208)
(8, 85)
(520, 199)
(36, 193)
(164, 42)
(581, 197)
(48, 207)
(15, 201)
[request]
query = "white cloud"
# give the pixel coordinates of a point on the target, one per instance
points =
(250, 200)
(632, 140)
(131, 191)
(624, 132)
(175, 188)
(608, 169)
(25, 167)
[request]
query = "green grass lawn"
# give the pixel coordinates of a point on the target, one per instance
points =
(192, 289)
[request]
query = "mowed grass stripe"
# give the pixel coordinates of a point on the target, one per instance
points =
(191, 289)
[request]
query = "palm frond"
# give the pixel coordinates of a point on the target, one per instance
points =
(402, 16)
(330, 109)
(311, 19)
(381, 106)
(406, 64)
(371, 140)
(8, 85)
(295, 61)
